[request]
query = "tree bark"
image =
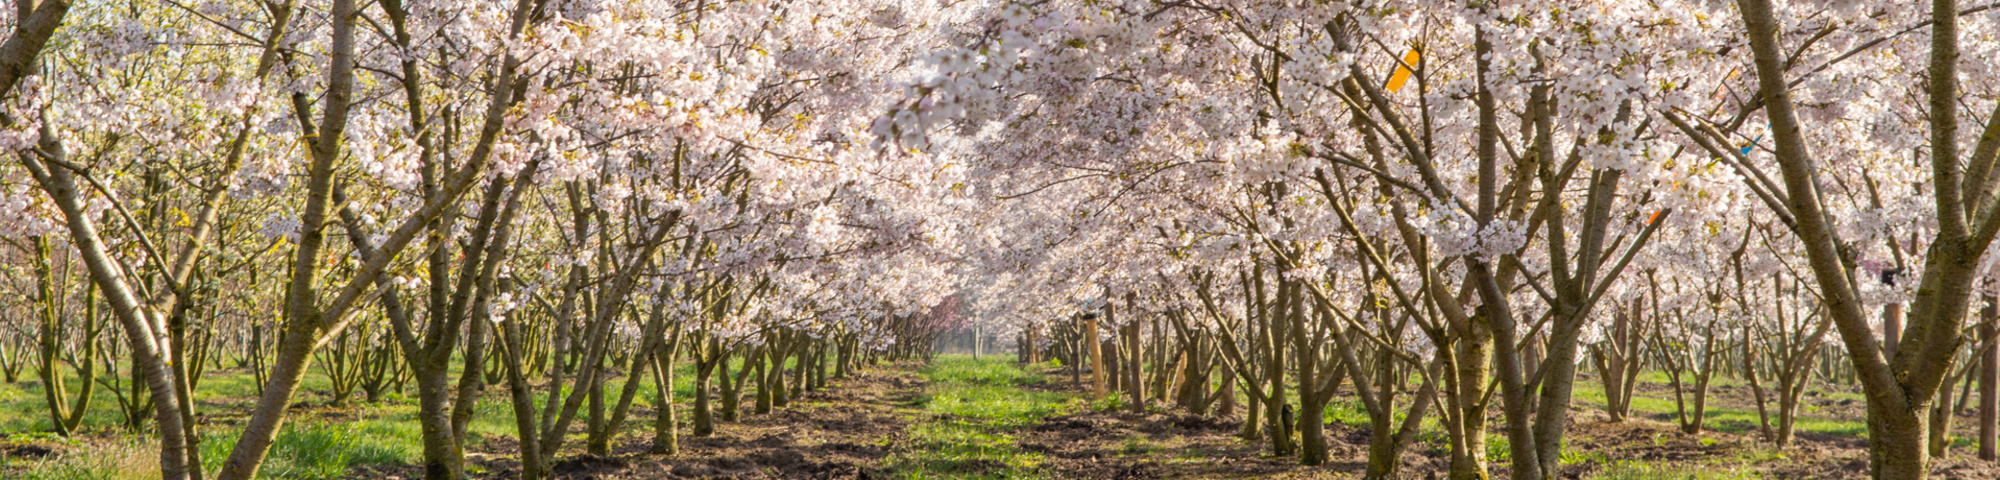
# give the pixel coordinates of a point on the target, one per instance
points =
(1989, 373)
(1097, 386)
(666, 437)
(143, 332)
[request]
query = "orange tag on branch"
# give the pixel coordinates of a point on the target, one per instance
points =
(1402, 74)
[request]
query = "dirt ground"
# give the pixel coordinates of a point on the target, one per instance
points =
(842, 433)
(852, 430)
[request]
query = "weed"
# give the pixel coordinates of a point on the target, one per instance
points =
(1139, 445)
(1574, 457)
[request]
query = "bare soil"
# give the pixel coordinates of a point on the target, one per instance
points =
(851, 430)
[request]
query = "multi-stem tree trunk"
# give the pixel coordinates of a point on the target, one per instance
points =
(1899, 388)
(1242, 368)
(1387, 438)
(1617, 360)
(1316, 380)
(1277, 412)
(64, 418)
(555, 422)
(144, 333)
(600, 439)
(429, 356)
(1701, 366)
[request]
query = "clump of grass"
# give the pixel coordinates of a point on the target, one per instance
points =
(327, 450)
(989, 391)
(960, 450)
(1349, 412)
(316, 450)
(1759, 453)
(304, 450)
(1139, 445)
(124, 459)
(1497, 447)
(973, 404)
(1574, 457)
(1590, 394)
(1636, 470)
(963, 369)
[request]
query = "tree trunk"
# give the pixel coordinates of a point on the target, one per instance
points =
(666, 439)
(441, 450)
(1097, 373)
(1989, 372)
(649, 348)
(1135, 385)
(1892, 328)
(1897, 447)
(1756, 389)
(732, 388)
(1470, 356)
(1940, 428)
(704, 420)
(764, 384)
(1276, 409)
(143, 332)
(522, 396)
(1312, 432)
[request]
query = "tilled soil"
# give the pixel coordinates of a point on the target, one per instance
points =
(851, 431)
(843, 433)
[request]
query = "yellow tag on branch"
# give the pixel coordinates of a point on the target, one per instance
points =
(1402, 75)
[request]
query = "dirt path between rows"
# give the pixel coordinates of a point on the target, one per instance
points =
(859, 429)
(845, 432)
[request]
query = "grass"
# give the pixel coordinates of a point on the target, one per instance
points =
(989, 390)
(1637, 470)
(312, 450)
(319, 450)
(971, 403)
(1590, 393)
(134, 458)
(309, 448)
(1350, 412)
(968, 408)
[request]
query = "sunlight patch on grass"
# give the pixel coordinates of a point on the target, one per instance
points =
(318, 450)
(1590, 394)
(971, 406)
(133, 458)
(1637, 470)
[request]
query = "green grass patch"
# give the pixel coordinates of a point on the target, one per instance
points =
(308, 450)
(1590, 393)
(1636, 470)
(970, 407)
(133, 458)
(321, 450)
